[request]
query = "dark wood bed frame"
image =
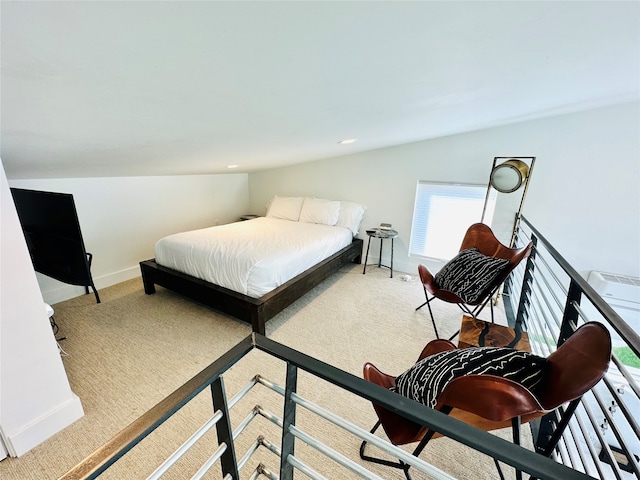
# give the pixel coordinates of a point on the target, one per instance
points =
(255, 311)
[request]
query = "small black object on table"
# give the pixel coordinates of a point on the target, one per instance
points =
(382, 234)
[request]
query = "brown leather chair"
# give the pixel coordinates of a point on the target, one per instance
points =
(480, 236)
(489, 402)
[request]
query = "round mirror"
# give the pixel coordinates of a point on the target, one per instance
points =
(509, 176)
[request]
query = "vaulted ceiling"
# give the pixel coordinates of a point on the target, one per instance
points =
(109, 88)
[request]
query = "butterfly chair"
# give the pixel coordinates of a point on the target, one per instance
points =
(472, 277)
(491, 402)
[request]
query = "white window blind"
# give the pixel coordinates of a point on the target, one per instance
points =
(441, 215)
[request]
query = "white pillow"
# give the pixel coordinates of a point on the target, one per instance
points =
(351, 216)
(318, 210)
(287, 208)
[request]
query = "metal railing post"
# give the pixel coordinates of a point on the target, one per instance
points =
(570, 314)
(549, 422)
(288, 420)
(508, 283)
(525, 290)
(228, 461)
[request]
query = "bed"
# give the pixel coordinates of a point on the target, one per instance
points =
(254, 269)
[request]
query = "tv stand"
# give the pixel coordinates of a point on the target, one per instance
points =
(86, 287)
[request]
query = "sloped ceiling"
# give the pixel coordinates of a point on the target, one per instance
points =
(155, 88)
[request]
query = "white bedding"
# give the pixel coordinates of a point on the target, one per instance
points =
(251, 257)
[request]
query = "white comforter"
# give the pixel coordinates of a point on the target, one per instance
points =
(251, 257)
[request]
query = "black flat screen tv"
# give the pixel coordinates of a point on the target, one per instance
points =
(52, 232)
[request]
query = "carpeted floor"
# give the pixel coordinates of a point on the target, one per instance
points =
(124, 355)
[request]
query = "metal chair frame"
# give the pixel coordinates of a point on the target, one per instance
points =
(481, 237)
(495, 402)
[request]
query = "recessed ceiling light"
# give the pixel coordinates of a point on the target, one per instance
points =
(347, 141)
(232, 166)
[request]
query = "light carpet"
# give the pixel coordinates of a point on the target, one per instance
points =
(127, 353)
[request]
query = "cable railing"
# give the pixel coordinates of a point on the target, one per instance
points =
(293, 435)
(546, 297)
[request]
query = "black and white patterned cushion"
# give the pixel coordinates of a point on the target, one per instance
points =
(470, 274)
(428, 378)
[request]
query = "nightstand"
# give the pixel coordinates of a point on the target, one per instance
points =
(382, 234)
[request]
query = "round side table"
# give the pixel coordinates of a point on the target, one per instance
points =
(382, 235)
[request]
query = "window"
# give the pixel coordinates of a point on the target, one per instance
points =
(441, 215)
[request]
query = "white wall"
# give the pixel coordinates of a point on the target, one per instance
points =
(36, 400)
(122, 218)
(584, 194)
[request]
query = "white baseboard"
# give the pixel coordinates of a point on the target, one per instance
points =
(399, 266)
(20, 442)
(3, 450)
(61, 292)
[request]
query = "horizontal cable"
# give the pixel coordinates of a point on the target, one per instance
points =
(579, 444)
(616, 432)
(370, 438)
(240, 395)
(175, 456)
(250, 451)
(627, 375)
(585, 434)
(544, 287)
(622, 405)
(604, 445)
(295, 462)
(357, 431)
(333, 455)
(262, 470)
(211, 461)
(541, 261)
(304, 468)
(272, 447)
(243, 425)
